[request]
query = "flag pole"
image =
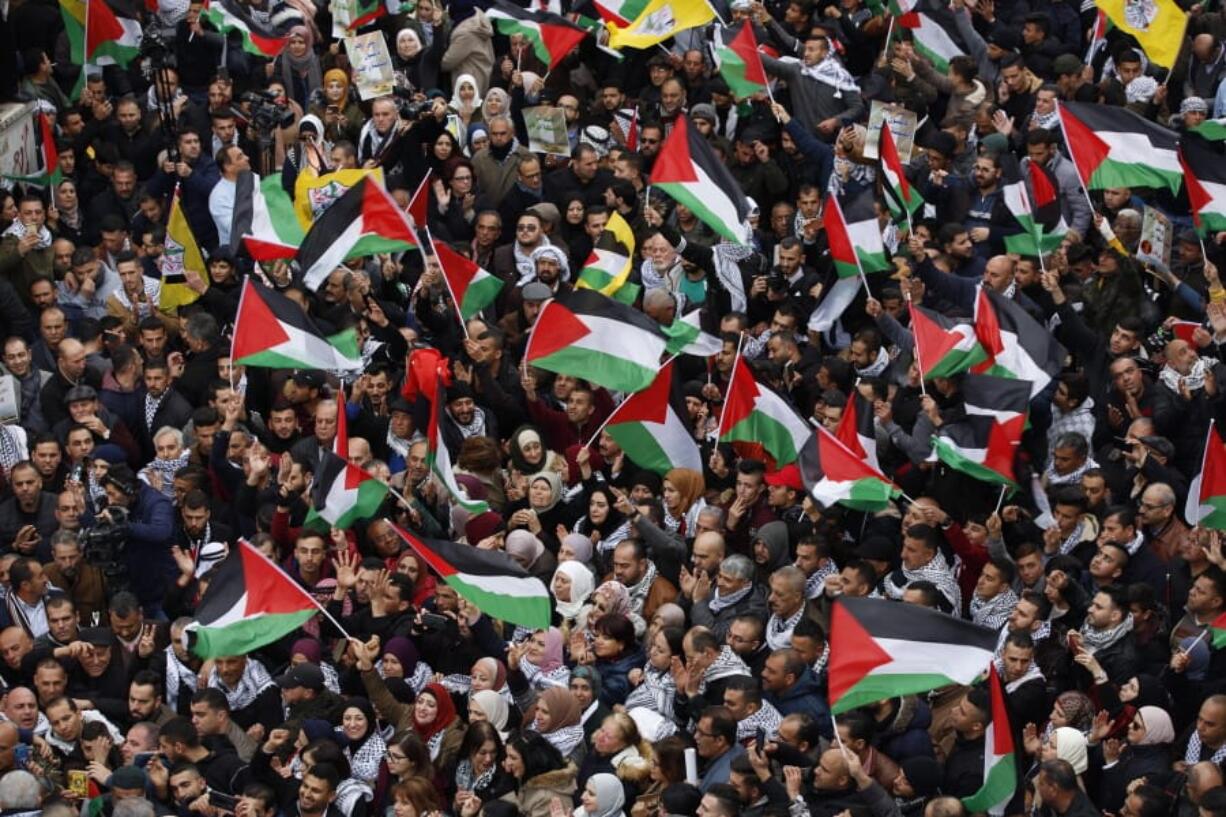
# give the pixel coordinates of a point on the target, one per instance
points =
(447, 284)
(296, 583)
(1069, 145)
(1001, 501)
(915, 339)
(740, 340)
(613, 413)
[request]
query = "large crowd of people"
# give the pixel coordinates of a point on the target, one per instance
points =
(686, 669)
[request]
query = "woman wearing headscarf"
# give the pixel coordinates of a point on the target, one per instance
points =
(576, 548)
(298, 66)
(682, 499)
(400, 659)
(531, 555)
(542, 511)
(1148, 752)
(309, 650)
(602, 797)
(363, 745)
(1065, 743)
(536, 664)
(414, 62)
(572, 586)
(437, 724)
(487, 705)
(585, 685)
(69, 222)
(603, 523)
(415, 567)
(528, 454)
(465, 98)
(558, 720)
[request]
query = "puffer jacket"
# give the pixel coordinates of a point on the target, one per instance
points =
(535, 795)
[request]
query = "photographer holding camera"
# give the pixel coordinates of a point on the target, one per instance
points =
(149, 527)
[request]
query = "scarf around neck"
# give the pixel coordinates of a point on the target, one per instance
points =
(779, 632)
(993, 612)
(18, 230)
(725, 665)
(1196, 746)
(815, 585)
(657, 692)
(638, 592)
(718, 602)
(254, 681)
(767, 717)
(1096, 640)
(831, 72)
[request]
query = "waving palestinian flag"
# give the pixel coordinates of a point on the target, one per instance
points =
(111, 37)
(1205, 175)
(490, 580)
(833, 474)
(588, 335)
(855, 429)
(1017, 345)
(438, 458)
(551, 35)
(1036, 207)
(943, 346)
(250, 602)
(1206, 505)
(740, 64)
(984, 443)
(688, 170)
(760, 423)
(884, 649)
(649, 427)
(263, 37)
(264, 220)
(901, 198)
(471, 287)
(999, 762)
(1114, 147)
(854, 236)
(272, 331)
(344, 493)
(364, 221)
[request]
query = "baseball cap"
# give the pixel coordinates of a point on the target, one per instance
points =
(536, 291)
(788, 475)
(302, 675)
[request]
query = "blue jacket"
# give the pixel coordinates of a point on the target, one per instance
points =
(614, 683)
(804, 696)
(151, 524)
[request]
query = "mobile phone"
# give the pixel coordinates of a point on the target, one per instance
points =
(21, 755)
(760, 737)
(225, 802)
(141, 759)
(433, 621)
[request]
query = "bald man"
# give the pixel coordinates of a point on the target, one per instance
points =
(15, 644)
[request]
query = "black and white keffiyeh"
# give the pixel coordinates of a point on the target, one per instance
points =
(1195, 747)
(540, 679)
(993, 612)
(565, 739)
(767, 717)
(779, 631)
(638, 592)
(467, 780)
(364, 763)
(725, 665)
(657, 692)
(718, 602)
(1095, 639)
(815, 585)
(177, 674)
(18, 230)
(937, 572)
(254, 681)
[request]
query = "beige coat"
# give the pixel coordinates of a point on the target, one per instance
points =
(535, 795)
(471, 50)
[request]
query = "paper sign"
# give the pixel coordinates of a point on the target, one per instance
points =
(372, 63)
(1156, 240)
(903, 125)
(547, 130)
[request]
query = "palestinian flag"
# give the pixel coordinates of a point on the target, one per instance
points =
(902, 199)
(759, 423)
(943, 346)
(1206, 179)
(490, 580)
(1213, 130)
(999, 762)
(688, 170)
(261, 38)
(932, 39)
(883, 649)
(687, 338)
(854, 236)
(1217, 632)
(438, 458)
(834, 474)
(340, 442)
(650, 429)
(343, 494)
(1037, 211)
(365, 12)
(608, 267)
(1185, 330)
(111, 38)
(620, 12)
(364, 221)
(1206, 504)
(272, 331)
(552, 36)
(983, 444)
(740, 64)
(264, 220)
(181, 254)
(587, 335)
(1017, 345)
(419, 205)
(50, 174)
(250, 602)
(1113, 147)
(856, 431)
(471, 287)
(72, 13)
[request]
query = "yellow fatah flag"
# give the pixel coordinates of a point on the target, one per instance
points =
(659, 20)
(1158, 25)
(314, 193)
(181, 254)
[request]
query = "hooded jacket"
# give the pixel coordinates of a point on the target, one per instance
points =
(471, 50)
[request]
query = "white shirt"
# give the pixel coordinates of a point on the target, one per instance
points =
(221, 208)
